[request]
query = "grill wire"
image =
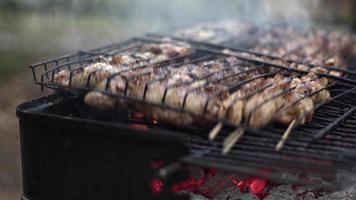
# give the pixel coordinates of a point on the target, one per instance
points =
(319, 147)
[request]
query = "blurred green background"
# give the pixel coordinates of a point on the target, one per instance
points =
(34, 30)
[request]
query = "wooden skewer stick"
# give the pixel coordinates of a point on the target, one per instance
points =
(285, 136)
(231, 140)
(215, 131)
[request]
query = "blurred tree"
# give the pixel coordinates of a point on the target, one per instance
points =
(9, 4)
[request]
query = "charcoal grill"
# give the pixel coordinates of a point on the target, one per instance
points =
(67, 145)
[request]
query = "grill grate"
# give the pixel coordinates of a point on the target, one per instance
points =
(43, 72)
(306, 152)
(348, 72)
(324, 144)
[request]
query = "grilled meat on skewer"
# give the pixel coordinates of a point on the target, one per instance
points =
(97, 71)
(180, 83)
(316, 47)
(234, 105)
(260, 108)
(298, 106)
(291, 109)
(149, 54)
(286, 63)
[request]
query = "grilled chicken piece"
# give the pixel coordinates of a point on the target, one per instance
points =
(314, 84)
(194, 78)
(152, 53)
(165, 77)
(300, 107)
(97, 71)
(304, 67)
(215, 95)
(149, 54)
(101, 100)
(205, 83)
(62, 77)
(170, 49)
(233, 106)
(180, 82)
(261, 107)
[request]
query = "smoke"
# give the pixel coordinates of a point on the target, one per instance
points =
(172, 14)
(61, 26)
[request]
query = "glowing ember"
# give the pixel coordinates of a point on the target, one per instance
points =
(156, 186)
(213, 185)
(194, 184)
(256, 185)
(191, 184)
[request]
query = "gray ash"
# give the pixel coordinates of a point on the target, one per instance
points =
(224, 186)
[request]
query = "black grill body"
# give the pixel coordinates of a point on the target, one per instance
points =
(69, 154)
(67, 158)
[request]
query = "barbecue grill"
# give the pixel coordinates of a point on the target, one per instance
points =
(67, 146)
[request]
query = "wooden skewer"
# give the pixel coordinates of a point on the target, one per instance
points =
(231, 140)
(215, 131)
(285, 136)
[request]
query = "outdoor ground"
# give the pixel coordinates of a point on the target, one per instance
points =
(29, 37)
(16, 90)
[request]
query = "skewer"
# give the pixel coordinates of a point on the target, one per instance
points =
(215, 131)
(231, 140)
(285, 136)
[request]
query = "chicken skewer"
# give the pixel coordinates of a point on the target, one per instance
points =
(170, 75)
(175, 77)
(223, 110)
(193, 95)
(94, 73)
(251, 123)
(299, 87)
(259, 105)
(235, 105)
(238, 133)
(315, 92)
(247, 91)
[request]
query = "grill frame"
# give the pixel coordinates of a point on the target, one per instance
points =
(190, 141)
(218, 49)
(210, 49)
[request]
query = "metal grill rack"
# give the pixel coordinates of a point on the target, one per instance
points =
(43, 72)
(249, 44)
(256, 41)
(326, 142)
(319, 148)
(245, 52)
